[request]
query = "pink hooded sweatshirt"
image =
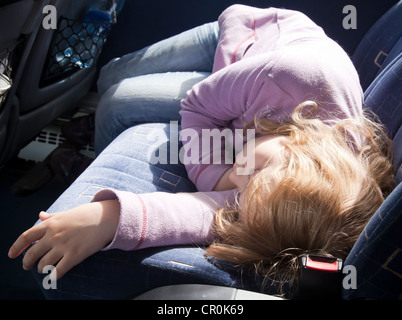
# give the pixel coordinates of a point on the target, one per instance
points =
(267, 62)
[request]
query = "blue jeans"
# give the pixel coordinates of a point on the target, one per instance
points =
(148, 85)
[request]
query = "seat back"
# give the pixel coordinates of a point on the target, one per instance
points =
(379, 46)
(20, 19)
(58, 71)
(377, 254)
(384, 97)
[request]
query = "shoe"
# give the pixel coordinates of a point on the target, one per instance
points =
(68, 164)
(33, 180)
(80, 131)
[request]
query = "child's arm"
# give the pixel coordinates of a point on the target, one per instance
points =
(163, 219)
(133, 221)
(67, 238)
(230, 98)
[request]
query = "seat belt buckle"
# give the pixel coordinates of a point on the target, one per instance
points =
(320, 277)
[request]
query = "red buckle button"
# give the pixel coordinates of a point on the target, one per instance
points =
(322, 263)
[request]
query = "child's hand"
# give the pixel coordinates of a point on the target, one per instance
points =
(69, 237)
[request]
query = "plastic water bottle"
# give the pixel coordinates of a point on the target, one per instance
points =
(86, 45)
(104, 10)
(101, 11)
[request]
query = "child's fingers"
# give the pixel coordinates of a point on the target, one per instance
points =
(25, 239)
(51, 258)
(63, 266)
(44, 215)
(34, 253)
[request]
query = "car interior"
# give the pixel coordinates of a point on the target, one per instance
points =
(51, 52)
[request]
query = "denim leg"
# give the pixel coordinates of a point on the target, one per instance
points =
(148, 85)
(192, 50)
(126, 165)
(116, 274)
(141, 99)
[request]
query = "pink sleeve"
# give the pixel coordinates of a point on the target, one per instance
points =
(228, 99)
(162, 219)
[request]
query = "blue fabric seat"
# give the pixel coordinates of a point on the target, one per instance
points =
(377, 254)
(384, 98)
(380, 46)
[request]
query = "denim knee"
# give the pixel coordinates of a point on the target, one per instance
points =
(107, 125)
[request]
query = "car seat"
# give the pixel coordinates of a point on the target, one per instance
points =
(376, 255)
(379, 47)
(48, 84)
(21, 19)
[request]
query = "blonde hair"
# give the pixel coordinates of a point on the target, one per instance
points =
(318, 201)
